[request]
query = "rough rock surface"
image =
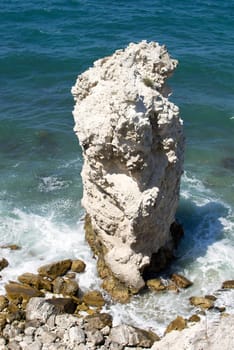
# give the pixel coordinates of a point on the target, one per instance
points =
(133, 144)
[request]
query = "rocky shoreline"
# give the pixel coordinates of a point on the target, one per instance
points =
(48, 311)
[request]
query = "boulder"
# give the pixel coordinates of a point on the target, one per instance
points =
(156, 284)
(65, 286)
(39, 309)
(16, 291)
(176, 325)
(3, 263)
(36, 281)
(194, 318)
(202, 302)
(228, 284)
(131, 336)
(133, 144)
(181, 281)
(56, 269)
(78, 266)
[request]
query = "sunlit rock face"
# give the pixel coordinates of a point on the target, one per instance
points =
(133, 145)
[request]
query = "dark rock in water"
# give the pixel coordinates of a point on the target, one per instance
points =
(156, 284)
(10, 246)
(3, 263)
(177, 232)
(194, 318)
(228, 163)
(94, 298)
(181, 281)
(228, 284)
(63, 305)
(56, 269)
(202, 302)
(16, 291)
(177, 325)
(78, 266)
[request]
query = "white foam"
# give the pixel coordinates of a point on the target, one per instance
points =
(43, 241)
(205, 255)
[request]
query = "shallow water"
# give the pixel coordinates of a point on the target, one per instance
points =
(43, 48)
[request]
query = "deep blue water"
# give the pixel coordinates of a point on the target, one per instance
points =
(44, 46)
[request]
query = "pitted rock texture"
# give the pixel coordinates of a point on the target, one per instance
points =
(133, 144)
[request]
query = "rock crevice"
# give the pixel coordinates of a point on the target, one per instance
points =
(132, 141)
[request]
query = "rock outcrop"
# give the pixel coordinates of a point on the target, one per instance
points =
(133, 144)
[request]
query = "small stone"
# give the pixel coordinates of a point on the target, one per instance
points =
(2, 342)
(56, 269)
(29, 331)
(194, 318)
(177, 325)
(156, 284)
(94, 298)
(228, 284)
(105, 330)
(76, 335)
(3, 302)
(3, 263)
(71, 275)
(95, 337)
(98, 321)
(78, 266)
(13, 345)
(66, 321)
(10, 246)
(47, 337)
(36, 345)
(116, 346)
(202, 302)
(210, 297)
(181, 281)
(220, 308)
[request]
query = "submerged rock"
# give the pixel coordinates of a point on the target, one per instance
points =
(202, 302)
(133, 145)
(228, 284)
(3, 263)
(181, 281)
(55, 269)
(177, 325)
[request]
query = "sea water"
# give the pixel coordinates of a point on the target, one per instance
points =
(44, 46)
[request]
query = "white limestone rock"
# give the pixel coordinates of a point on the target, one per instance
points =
(133, 145)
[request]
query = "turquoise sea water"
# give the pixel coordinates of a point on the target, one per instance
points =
(44, 46)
